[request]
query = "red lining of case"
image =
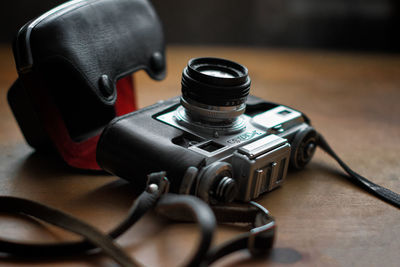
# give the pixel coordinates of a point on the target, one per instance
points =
(83, 154)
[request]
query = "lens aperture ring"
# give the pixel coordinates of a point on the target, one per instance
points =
(213, 112)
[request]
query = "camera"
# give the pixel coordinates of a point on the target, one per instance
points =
(214, 141)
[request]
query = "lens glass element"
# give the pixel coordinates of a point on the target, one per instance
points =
(217, 73)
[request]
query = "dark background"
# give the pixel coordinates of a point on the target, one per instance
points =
(371, 25)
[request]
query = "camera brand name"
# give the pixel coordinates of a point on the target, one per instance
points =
(244, 137)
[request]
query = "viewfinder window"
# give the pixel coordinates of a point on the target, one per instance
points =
(284, 112)
(211, 146)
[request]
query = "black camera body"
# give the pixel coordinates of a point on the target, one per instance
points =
(215, 141)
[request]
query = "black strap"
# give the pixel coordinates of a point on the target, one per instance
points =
(62, 220)
(377, 190)
(154, 195)
(258, 240)
(200, 212)
(146, 201)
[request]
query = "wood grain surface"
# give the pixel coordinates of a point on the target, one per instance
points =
(323, 220)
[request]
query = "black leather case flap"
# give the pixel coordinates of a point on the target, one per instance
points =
(93, 43)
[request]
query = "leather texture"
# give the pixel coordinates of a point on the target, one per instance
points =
(132, 145)
(136, 144)
(74, 63)
(155, 195)
(95, 37)
(93, 237)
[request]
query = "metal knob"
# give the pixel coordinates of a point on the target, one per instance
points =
(226, 190)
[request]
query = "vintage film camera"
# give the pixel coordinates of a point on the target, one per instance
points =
(215, 141)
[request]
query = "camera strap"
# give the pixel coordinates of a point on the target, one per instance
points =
(177, 207)
(258, 240)
(377, 190)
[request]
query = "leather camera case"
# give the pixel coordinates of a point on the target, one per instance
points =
(74, 64)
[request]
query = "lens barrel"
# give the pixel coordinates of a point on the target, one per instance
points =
(215, 82)
(214, 92)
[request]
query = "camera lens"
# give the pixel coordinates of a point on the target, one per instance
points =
(215, 82)
(214, 92)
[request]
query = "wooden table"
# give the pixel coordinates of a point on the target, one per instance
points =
(323, 220)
